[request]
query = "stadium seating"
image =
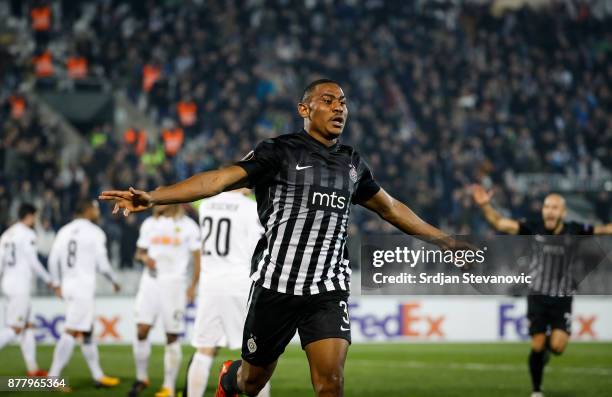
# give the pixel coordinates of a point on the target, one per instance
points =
(440, 96)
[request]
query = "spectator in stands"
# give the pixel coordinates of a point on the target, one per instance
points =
(76, 67)
(41, 20)
(173, 137)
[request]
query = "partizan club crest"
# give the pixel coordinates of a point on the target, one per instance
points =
(251, 345)
(353, 173)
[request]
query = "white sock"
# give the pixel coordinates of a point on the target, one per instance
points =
(28, 349)
(197, 374)
(142, 351)
(61, 354)
(90, 352)
(265, 392)
(172, 363)
(6, 336)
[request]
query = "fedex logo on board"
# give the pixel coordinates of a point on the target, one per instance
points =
(52, 327)
(515, 323)
(408, 321)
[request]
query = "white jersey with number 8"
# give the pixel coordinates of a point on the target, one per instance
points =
(79, 250)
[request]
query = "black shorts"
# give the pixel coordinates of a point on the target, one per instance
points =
(546, 313)
(274, 317)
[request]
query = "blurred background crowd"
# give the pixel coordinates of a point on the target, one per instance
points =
(441, 94)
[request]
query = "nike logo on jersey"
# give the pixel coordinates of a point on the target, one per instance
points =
(298, 168)
(342, 328)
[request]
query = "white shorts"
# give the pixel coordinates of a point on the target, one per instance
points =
(167, 298)
(80, 312)
(17, 310)
(220, 320)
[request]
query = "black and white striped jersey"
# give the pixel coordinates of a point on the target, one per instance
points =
(553, 257)
(304, 191)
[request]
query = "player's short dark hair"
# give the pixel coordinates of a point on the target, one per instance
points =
(83, 205)
(310, 87)
(25, 209)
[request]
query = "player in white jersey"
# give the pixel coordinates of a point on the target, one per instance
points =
(230, 229)
(167, 242)
(79, 250)
(18, 261)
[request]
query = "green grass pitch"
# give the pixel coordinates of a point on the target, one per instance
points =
(389, 370)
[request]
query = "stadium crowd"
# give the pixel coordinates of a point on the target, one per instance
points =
(440, 96)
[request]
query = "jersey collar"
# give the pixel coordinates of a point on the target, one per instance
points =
(319, 145)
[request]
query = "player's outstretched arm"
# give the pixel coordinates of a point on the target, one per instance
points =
(603, 229)
(202, 185)
(399, 215)
(494, 218)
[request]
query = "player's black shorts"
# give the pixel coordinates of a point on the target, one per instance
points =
(546, 313)
(274, 317)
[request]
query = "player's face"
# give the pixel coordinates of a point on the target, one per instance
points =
(553, 211)
(29, 220)
(159, 210)
(326, 110)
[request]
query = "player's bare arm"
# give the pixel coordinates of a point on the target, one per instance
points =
(202, 185)
(500, 223)
(191, 291)
(399, 215)
(603, 229)
(143, 256)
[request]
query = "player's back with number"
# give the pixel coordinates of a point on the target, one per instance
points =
(17, 250)
(78, 251)
(230, 230)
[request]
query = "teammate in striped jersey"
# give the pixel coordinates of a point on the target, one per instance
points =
(304, 184)
(549, 303)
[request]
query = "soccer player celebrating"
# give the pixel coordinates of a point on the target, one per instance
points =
(304, 185)
(167, 241)
(230, 228)
(18, 260)
(549, 303)
(77, 252)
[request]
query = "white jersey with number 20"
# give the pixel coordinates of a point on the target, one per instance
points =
(230, 229)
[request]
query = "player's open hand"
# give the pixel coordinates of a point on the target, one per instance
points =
(480, 195)
(149, 262)
(58, 292)
(131, 200)
(116, 287)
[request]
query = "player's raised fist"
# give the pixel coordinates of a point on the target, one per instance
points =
(480, 195)
(131, 200)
